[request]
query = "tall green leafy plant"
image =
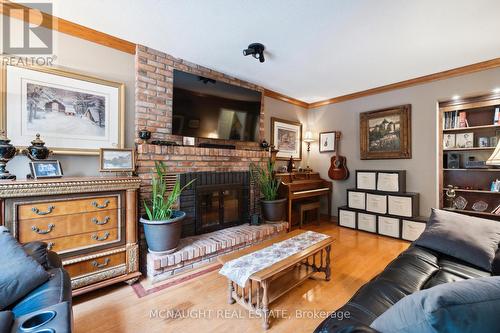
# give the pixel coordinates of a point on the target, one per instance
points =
(160, 207)
(263, 176)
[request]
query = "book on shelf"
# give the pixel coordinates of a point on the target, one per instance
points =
(455, 119)
(496, 120)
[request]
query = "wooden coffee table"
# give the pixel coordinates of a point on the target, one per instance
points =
(268, 284)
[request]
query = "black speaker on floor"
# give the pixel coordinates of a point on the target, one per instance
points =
(453, 161)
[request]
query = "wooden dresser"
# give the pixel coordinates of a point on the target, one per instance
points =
(90, 222)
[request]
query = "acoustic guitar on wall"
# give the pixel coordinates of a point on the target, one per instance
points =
(338, 164)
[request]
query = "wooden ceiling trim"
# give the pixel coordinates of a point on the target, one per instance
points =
(477, 67)
(67, 27)
(284, 98)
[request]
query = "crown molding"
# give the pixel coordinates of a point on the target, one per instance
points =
(477, 67)
(285, 98)
(73, 29)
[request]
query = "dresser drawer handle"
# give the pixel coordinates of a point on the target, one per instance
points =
(97, 222)
(47, 212)
(98, 265)
(43, 232)
(50, 246)
(104, 205)
(103, 238)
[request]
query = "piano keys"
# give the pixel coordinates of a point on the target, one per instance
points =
(297, 186)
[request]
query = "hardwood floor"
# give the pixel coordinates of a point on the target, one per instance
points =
(356, 258)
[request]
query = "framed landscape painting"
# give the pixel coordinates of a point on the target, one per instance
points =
(386, 133)
(74, 113)
(117, 160)
(286, 136)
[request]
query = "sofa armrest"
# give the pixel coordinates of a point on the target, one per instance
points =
(38, 251)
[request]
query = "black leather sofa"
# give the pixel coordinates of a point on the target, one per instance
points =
(55, 292)
(415, 269)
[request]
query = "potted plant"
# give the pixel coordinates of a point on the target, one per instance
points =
(272, 207)
(162, 223)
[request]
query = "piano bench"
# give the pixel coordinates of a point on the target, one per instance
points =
(305, 207)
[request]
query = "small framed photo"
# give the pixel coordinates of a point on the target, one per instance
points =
(449, 141)
(46, 169)
(327, 142)
(188, 141)
(464, 140)
(117, 160)
(484, 141)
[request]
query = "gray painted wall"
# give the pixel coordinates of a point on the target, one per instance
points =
(88, 58)
(422, 168)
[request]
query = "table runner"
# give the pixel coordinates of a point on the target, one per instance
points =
(240, 269)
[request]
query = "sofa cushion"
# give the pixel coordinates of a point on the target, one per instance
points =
(464, 306)
(415, 269)
(471, 239)
(20, 272)
(6, 319)
(56, 290)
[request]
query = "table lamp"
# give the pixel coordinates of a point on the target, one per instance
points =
(308, 139)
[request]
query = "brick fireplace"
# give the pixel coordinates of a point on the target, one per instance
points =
(210, 206)
(215, 201)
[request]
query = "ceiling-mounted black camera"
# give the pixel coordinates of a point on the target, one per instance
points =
(256, 50)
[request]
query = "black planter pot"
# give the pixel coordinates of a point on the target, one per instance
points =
(163, 236)
(273, 210)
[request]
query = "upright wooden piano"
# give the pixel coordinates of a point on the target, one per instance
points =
(296, 186)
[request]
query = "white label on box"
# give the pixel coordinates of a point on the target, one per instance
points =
(401, 206)
(376, 203)
(366, 180)
(388, 226)
(412, 230)
(347, 218)
(367, 222)
(356, 200)
(388, 182)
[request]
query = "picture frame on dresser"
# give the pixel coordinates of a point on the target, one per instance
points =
(75, 113)
(45, 169)
(117, 160)
(386, 133)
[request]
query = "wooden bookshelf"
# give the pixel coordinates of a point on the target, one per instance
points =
(472, 184)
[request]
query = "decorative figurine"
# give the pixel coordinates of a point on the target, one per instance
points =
(37, 151)
(450, 195)
(7, 152)
(145, 134)
(264, 145)
(291, 165)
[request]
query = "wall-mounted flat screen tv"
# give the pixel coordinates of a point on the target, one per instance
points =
(206, 108)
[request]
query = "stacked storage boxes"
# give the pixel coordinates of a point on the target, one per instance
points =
(380, 204)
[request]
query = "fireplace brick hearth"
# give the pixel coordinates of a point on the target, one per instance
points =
(203, 249)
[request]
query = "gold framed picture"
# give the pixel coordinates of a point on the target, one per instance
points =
(76, 114)
(386, 133)
(286, 136)
(117, 160)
